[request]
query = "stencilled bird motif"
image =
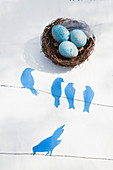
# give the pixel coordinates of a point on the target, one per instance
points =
(88, 95)
(28, 81)
(56, 90)
(70, 93)
(48, 144)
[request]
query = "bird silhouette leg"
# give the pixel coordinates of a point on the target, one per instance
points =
(50, 153)
(47, 153)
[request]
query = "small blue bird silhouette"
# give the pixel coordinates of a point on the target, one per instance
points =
(56, 90)
(48, 144)
(27, 80)
(88, 95)
(70, 93)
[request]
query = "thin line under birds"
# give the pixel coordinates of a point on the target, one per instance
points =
(48, 144)
(88, 95)
(28, 81)
(56, 90)
(70, 93)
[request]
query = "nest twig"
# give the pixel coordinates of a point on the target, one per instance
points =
(50, 46)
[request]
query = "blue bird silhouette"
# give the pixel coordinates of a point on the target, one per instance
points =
(70, 93)
(56, 90)
(88, 95)
(48, 144)
(27, 80)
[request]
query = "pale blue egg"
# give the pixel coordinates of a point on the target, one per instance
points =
(78, 37)
(60, 33)
(68, 49)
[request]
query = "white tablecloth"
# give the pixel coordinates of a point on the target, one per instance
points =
(25, 119)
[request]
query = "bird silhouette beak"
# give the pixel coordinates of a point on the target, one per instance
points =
(62, 126)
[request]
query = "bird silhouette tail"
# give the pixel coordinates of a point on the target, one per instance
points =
(57, 101)
(86, 110)
(71, 107)
(34, 92)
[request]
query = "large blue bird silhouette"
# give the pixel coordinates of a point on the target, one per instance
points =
(48, 144)
(88, 95)
(56, 90)
(28, 81)
(70, 93)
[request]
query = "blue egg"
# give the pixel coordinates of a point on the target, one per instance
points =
(78, 37)
(60, 33)
(68, 49)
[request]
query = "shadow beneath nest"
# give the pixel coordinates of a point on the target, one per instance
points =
(36, 59)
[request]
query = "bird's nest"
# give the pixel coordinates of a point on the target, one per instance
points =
(50, 46)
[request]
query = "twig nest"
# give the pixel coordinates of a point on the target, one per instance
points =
(79, 46)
